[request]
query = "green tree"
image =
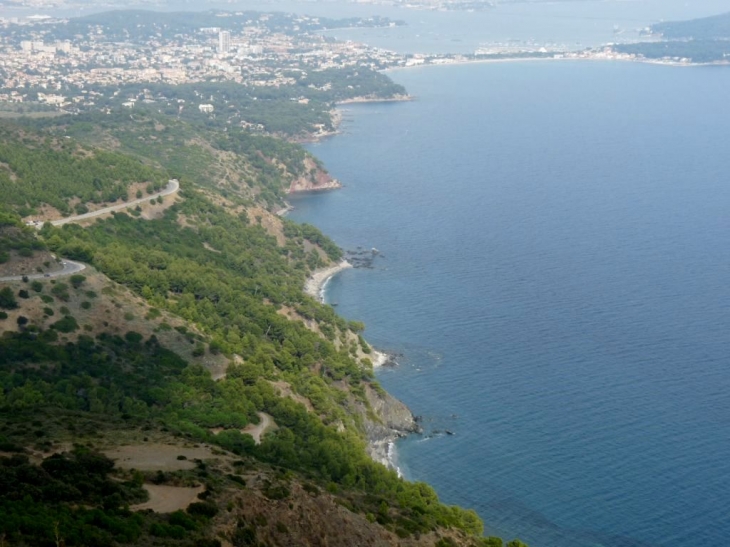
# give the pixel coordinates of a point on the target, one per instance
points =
(77, 280)
(7, 299)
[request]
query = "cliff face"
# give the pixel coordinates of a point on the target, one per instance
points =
(314, 179)
(394, 420)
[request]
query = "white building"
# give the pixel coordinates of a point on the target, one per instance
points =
(224, 41)
(207, 108)
(64, 46)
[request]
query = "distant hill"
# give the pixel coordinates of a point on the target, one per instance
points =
(705, 40)
(716, 27)
(696, 51)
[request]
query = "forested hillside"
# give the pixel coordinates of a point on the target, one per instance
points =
(14, 236)
(696, 51)
(705, 40)
(243, 166)
(188, 365)
(716, 27)
(37, 170)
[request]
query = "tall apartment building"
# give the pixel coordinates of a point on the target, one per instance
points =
(224, 41)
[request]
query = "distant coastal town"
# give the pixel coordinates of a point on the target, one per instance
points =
(112, 59)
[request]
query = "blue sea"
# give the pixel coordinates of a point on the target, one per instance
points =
(555, 278)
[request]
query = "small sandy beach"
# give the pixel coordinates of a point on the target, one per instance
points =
(316, 283)
(315, 286)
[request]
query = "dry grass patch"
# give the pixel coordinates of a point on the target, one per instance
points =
(29, 265)
(269, 221)
(100, 305)
(157, 456)
(168, 499)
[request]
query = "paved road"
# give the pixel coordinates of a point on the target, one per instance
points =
(172, 186)
(69, 267)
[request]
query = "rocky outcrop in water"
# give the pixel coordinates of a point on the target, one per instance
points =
(362, 258)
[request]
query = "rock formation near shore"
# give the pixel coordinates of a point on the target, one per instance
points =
(396, 421)
(314, 179)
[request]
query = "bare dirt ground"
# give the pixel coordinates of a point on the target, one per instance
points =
(269, 221)
(257, 430)
(168, 499)
(153, 457)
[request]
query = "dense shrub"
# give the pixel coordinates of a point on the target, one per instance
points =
(7, 299)
(66, 325)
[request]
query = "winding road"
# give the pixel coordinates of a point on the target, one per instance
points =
(172, 186)
(71, 267)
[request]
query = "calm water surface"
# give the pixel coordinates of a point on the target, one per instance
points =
(555, 274)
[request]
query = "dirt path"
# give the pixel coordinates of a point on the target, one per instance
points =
(257, 430)
(172, 186)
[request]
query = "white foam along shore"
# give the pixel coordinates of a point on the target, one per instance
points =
(385, 452)
(378, 358)
(316, 284)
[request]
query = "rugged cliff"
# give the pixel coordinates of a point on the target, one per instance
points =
(394, 420)
(314, 179)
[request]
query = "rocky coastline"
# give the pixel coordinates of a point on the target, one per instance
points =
(394, 418)
(336, 116)
(314, 179)
(376, 99)
(395, 421)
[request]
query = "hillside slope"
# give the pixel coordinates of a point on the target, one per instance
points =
(188, 328)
